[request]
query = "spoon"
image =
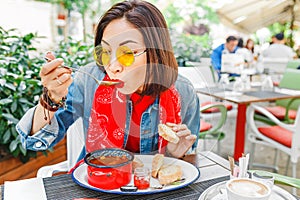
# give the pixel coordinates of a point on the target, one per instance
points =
(106, 83)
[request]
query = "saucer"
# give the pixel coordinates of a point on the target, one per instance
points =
(218, 192)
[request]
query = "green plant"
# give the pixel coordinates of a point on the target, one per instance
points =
(186, 47)
(191, 20)
(75, 53)
(20, 85)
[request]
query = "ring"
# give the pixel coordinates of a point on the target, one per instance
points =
(58, 81)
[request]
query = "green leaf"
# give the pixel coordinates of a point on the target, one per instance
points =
(10, 117)
(10, 86)
(16, 152)
(14, 106)
(5, 101)
(23, 151)
(13, 145)
(14, 132)
(6, 136)
(32, 81)
(23, 100)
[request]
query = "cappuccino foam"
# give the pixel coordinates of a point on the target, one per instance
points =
(248, 188)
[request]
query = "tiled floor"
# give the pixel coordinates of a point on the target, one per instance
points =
(267, 157)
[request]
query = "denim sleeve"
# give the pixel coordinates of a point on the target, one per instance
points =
(40, 140)
(50, 135)
(190, 106)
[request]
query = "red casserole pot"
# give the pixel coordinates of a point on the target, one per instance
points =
(109, 177)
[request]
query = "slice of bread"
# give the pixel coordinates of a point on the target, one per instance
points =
(157, 162)
(168, 174)
(167, 133)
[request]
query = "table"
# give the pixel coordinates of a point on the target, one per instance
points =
(242, 101)
(213, 169)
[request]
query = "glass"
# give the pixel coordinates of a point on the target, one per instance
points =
(142, 178)
(268, 180)
(267, 83)
(124, 55)
(246, 81)
(238, 85)
(224, 80)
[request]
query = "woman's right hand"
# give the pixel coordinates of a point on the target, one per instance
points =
(55, 78)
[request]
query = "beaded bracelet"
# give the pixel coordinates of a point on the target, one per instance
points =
(49, 105)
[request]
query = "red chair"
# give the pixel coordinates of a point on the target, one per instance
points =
(281, 136)
(284, 110)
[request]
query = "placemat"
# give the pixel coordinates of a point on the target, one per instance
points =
(263, 94)
(63, 187)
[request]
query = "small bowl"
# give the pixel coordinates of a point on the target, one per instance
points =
(109, 175)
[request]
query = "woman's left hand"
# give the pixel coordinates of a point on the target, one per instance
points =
(186, 140)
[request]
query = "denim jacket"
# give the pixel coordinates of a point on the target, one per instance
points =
(79, 102)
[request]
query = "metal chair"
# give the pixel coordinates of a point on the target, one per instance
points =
(75, 143)
(285, 110)
(213, 131)
(281, 136)
(275, 65)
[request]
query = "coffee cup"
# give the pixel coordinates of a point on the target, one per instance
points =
(247, 189)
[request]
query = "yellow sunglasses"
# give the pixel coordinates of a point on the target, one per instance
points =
(124, 55)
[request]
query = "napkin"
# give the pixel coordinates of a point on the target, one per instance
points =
(27, 189)
(243, 166)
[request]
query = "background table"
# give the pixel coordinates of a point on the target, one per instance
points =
(213, 169)
(242, 101)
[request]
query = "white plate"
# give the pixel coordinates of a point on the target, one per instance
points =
(190, 172)
(213, 193)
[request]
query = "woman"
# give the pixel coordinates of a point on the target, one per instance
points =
(133, 48)
(250, 45)
(245, 51)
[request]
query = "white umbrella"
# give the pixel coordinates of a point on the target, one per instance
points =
(248, 16)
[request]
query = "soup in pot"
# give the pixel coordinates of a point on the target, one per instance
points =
(108, 160)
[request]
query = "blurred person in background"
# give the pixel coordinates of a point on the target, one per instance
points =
(278, 49)
(229, 47)
(250, 45)
(245, 52)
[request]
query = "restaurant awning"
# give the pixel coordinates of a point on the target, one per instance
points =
(248, 16)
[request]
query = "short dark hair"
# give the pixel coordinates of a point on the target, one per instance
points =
(230, 38)
(240, 43)
(279, 36)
